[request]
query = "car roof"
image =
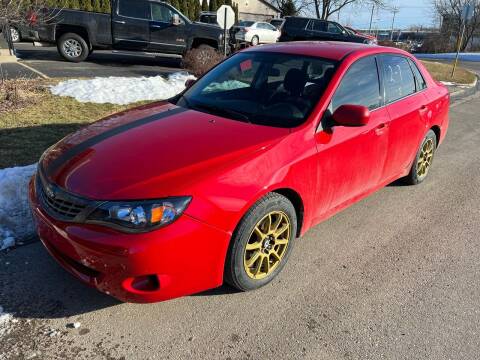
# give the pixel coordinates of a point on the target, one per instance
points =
(334, 50)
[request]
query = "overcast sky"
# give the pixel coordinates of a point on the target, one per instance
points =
(411, 12)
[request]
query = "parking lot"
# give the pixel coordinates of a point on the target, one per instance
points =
(393, 277)
(45, 61)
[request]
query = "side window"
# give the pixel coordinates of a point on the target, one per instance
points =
(398, 78)
(420, 81)
(359, 86)
(317, 25)
(333, 28)
(134, 8)
(270, 27)
(162, 13)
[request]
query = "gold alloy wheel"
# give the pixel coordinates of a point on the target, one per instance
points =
(425, 158)
(267, 245)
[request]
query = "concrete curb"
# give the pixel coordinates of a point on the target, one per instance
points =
(463, 93)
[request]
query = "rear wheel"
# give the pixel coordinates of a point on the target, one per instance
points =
(262, 243)
(73, 47)
(255, 41)
(423, 160)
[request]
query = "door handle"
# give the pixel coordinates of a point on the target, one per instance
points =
(156, 26)
(380, 129)
(119, 22)
(423, 108)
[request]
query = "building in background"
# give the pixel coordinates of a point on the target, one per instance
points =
(257, 10)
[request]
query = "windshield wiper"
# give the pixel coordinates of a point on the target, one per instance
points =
(219, 110)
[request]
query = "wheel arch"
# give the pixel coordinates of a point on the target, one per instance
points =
(437, 131)
(297, 202)
(204, 41)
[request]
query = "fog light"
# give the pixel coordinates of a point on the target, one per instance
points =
(146, 283)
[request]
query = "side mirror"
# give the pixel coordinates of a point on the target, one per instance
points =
(351, 115)
(176, 20)
(189, 83)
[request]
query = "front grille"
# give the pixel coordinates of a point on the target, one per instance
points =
(59, 203)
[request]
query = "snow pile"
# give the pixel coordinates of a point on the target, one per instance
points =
(15, 217)
(450, 56)
(5, 320)
(122, 90)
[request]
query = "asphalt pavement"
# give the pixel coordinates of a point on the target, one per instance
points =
(395, 276)
(45, 61)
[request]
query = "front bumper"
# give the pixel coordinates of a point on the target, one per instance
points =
(183, 258)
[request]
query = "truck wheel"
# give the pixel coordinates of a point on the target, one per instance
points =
(15, 35)
(73, 47)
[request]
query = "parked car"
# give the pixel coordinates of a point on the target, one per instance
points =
(136, 26)
(217, 184)
(256, 32)
(300, 28)
(356, 32)
(21, 30)
(278, 23)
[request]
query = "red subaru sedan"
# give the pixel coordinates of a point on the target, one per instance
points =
(217, 184)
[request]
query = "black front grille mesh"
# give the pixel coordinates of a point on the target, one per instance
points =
(59, 203)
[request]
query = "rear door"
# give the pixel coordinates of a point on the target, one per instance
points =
(351, 162)
(130, 25)
(164, 35)
(408, 109)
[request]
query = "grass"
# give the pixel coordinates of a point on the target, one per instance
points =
(443, 72)
(32, 119)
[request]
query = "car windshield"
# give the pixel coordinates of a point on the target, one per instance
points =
(246, 23)
(263, 88)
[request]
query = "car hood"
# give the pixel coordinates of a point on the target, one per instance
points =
(150, 152)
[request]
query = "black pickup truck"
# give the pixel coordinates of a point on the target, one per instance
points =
(144, 27)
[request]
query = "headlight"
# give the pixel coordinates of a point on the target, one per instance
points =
(139, 216)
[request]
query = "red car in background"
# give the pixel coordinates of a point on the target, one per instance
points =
(218, 183)
(368, 36)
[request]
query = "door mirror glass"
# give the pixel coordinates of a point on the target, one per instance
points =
(176, 20)
(351, 115)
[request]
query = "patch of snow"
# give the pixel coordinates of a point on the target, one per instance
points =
(74, 325)
(5, 322)
(450, 56)
(123, 90)
(448, 83)
(15, 218)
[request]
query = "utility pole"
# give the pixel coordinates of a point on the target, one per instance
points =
(395, 10)
(371, 19)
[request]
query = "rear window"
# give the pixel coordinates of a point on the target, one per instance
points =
(246, 23)
(276, 23)
(134, 8)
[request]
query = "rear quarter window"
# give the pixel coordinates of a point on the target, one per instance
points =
(296, 23)
(134, 8)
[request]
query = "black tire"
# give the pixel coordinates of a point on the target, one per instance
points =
(416, 175)
(235, 270)
(255, 40)
(73, 47)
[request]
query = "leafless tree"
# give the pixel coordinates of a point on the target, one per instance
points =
(326, 8)
(450, 11)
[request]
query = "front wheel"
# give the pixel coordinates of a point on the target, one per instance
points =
(73, 47)
(423, 160)
(15, 35)
(262, 243)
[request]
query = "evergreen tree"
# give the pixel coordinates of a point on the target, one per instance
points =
(212, 6)
(75, 4)
(235, 9)
(175, 4)
(229, 3)
(97, 6)
(198, 9)
(204, 5)
(105, 6)
(183, 7)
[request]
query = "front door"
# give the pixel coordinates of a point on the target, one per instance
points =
(351, 159)
(130, 25)
(165, 36)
